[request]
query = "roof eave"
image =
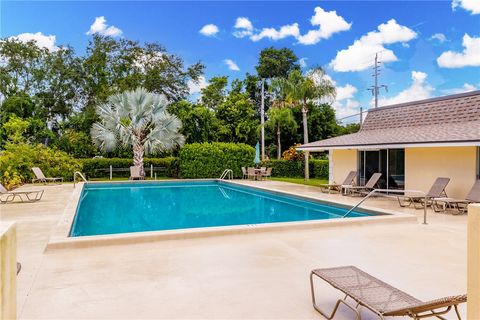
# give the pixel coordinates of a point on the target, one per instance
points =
(431, 144)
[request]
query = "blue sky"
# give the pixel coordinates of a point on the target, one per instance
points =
(428, 48)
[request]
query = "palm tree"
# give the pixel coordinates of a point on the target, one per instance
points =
(280, 118)
(137, 119)
(299, 89)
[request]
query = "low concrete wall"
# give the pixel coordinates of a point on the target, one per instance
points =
(8, 272)
(473, 273)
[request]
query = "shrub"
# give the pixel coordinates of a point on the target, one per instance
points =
(209, 160)
(17, 160)
(295, 169)
(91, 166)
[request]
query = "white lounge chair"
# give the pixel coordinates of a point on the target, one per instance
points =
(40, 177)
(23, 196)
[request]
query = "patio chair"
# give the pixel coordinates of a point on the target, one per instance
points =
(40, 177)
(436, 191)
(362, 190)
(244, 173)
(338, 187)
(379, 297)
(441, 204)
(24, 196)
(267, 173)
(251, 173)
(135, 173)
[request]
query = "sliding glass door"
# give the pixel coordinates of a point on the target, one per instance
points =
(389, 162)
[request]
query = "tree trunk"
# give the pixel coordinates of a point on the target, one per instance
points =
(305, 139)
(279, 144)
(138, 152)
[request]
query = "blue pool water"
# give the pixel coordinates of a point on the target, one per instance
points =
(148, 206)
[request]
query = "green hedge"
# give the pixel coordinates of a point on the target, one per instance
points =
(295, 169)
(17, 160)
(91, 166)
(208, 160)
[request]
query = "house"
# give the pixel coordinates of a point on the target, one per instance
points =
(411, 144)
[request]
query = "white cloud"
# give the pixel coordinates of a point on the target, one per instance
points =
(289, 30)
(197, 86)
(209, 30)
(244, 27)
(359, 55)
(328, 22)
(469, 5)
(345, 105)
(469, 57)
(231, 65)
(418, 90)
(440, 37)
(43, 41)
(303, 62)
(100, 26)
(465, 88)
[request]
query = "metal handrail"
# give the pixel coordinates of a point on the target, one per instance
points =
(227, 173)
(392, 190)
(78, 173)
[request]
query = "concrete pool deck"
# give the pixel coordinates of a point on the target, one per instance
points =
(254, 276)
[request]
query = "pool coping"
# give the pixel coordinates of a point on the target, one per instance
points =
(59, 239)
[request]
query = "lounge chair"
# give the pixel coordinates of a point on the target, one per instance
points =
(40, 177)
(362, 190)
(135, 173)
(379, 297)
(436, 191)
(24, 196)
(441, 204)
(267, 173)
(338, 187)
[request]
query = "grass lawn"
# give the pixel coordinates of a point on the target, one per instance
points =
(310, 182)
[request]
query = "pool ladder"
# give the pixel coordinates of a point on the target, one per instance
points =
(78, 173)
(227, 174)
(381, 192)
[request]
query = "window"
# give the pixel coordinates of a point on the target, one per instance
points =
(389, 162)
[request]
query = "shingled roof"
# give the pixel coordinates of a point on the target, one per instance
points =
(450, 119)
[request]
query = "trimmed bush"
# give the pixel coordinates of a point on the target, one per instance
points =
(17, 160)
(98, 167)
(295, 169)
(209, 160)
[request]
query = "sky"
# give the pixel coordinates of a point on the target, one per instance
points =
(426, 48)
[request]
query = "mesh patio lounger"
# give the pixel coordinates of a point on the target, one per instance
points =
(24, 196)
(338, 187)
(436, 191)
(40, 177)
(441, 204)
(378, 296)
(135, 173)
(362, 190)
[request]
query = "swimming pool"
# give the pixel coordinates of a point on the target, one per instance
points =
(112, 208)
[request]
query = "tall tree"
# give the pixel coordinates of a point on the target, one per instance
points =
(299, 89)
(137, 119)
(214, 93)
(280, 119)
(274, 63)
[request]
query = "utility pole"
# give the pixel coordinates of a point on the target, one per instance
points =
(262, 121)
(376, 88)
(361, 116)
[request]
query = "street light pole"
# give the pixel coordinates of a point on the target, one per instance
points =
(262, 120)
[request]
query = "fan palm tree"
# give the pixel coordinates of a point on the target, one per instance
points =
(137, 119)
(280, 118)
(299, 89)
